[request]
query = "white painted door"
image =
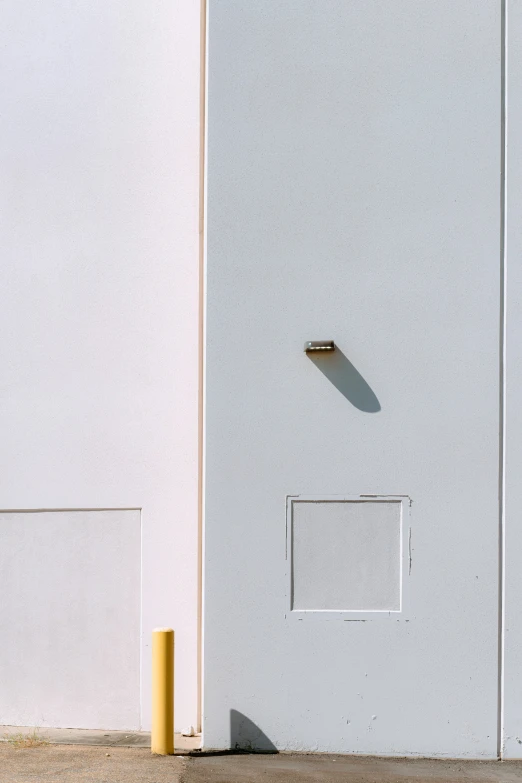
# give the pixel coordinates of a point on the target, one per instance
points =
(351, 498)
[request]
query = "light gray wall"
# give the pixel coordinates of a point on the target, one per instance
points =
(99, 144)
(353, 194)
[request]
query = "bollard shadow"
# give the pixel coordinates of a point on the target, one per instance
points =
(246, 737)
(347, 379)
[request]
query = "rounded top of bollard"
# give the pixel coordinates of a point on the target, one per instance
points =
(163, 630)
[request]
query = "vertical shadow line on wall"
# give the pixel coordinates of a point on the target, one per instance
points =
(502, 380)
(201, 348)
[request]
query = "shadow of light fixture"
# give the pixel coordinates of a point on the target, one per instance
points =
(334, 365)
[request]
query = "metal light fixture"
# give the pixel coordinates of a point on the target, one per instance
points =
(314, 346)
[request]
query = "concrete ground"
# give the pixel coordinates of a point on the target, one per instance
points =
(86, 764)
(124, 739)
(116, 764)
(324, 768)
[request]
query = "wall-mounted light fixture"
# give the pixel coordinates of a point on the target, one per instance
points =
(313, 346)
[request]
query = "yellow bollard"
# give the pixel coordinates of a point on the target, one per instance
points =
(162, 737)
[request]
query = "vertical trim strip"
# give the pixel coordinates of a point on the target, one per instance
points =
(202, 122)
(502, 379)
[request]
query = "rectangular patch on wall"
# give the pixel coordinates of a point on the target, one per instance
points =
(346, 555)
(70, 618)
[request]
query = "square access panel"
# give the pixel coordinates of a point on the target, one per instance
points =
(347, 556)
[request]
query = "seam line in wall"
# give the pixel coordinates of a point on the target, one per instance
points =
(502, 381)
(140, 641)
(201, 335)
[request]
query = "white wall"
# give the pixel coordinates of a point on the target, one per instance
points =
(98, 284)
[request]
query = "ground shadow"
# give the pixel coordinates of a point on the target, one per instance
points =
(247, 737)
(347, 379)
